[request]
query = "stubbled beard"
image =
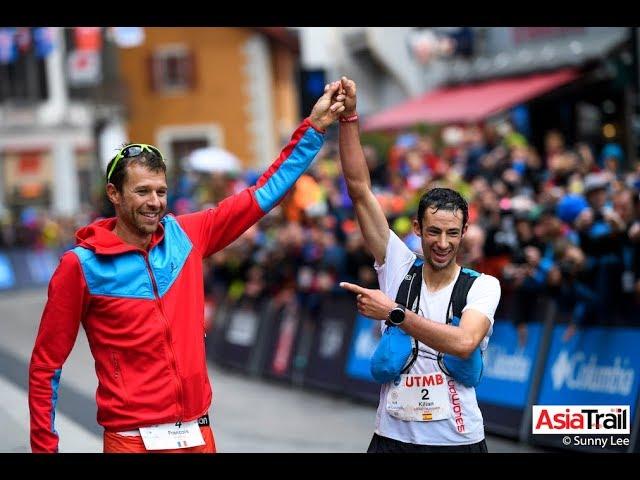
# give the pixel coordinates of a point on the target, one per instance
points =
(146, 229)
(439, 267)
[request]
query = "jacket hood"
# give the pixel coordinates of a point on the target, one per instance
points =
(100, 237)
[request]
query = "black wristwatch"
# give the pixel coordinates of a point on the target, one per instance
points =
(396, 316)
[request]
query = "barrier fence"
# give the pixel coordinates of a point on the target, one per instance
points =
(23, 268)
(599, 365)
(329, 349)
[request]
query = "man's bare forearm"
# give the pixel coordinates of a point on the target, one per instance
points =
(354, 164)
(440, 337)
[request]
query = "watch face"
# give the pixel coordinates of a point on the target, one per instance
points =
(396, 316)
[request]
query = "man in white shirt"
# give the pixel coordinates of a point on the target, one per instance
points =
(423, 410)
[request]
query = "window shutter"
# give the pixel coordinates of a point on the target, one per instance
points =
(152, 72)
(190, 69)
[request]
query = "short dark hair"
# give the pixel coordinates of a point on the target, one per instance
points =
(147, 158)
(443, 199)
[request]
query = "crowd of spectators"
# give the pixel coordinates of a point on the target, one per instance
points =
(560, 225)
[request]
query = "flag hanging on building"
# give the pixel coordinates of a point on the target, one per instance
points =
(8, 46)
(88, 39)
(128, 37)
(23, 39)
(43, 38)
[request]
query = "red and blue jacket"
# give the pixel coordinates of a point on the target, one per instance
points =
(142, 310)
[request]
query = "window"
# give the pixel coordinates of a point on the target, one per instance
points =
(24, 80)
(27, 177)
(172, 69)
(181, 148)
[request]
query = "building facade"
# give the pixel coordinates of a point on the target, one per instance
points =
(46, 135)
(392, 65)
(64, 115)
(233, 88)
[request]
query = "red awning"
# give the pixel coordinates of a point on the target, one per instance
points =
(468, 103)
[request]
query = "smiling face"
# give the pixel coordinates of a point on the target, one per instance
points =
(441, 234)
(142, 202)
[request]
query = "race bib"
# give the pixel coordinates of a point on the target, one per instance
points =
(172, 435)
(419, 398)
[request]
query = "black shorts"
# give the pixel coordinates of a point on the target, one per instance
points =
(388, 445)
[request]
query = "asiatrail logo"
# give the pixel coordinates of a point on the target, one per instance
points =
(580, 419)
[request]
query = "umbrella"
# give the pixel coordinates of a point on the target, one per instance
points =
(212, 159)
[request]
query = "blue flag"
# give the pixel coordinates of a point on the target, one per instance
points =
(43, 41)
(8, 45)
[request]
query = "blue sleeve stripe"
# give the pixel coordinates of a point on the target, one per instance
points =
(291, 169)
(55, 383)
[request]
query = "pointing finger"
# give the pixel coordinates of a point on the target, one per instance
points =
(352, 287)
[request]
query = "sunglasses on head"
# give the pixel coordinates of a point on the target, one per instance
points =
(133, 150)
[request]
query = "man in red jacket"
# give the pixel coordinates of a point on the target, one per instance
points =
(135, 282)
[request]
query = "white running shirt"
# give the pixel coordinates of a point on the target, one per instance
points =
(465, 426)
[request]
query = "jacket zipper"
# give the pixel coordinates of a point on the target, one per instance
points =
(116, 365)
(117, 373)
(168, 337)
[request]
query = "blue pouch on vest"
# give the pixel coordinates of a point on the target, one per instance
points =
(465, 371)
(395, 353)
(396, 350)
